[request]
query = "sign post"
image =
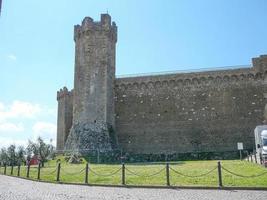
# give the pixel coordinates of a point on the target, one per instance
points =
(240, 148)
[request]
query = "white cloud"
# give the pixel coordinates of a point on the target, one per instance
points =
(45, 130)
(29, 120)
(19, 109)
(12, 57)
(7, 127)
(1, 106)
(5, 142)
(49, 111)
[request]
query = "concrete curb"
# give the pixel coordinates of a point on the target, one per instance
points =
(146, 186)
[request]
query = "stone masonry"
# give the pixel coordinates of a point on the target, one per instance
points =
(93, 98)
(173, 113)
(65, 109)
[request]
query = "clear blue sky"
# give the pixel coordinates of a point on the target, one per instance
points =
(37, 48)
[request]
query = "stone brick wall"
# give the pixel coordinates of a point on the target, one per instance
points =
(94, 70)
(206, 111)
(93, 101)
(64, 119)
(174, 113)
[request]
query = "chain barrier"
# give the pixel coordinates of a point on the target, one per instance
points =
(142, 175)
(243, 176)
(75, 173)
(105, 175)
(189, 176)
(52, 172)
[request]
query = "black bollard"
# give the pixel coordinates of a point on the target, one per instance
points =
(12, 168)
(123, 174)
(220, 174)
(58, 172)
(86, 173)
(18, 170)
(28, 170)
(39, 171)
(5, 170)
(167, 174)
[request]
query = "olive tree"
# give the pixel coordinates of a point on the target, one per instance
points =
(3, 156)
(20, 154)
(11, 153)
(40, 149)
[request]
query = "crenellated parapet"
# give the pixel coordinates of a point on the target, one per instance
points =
(260, 63)
(89, 26)
(258, 72)
(168, 81)
(63, 93)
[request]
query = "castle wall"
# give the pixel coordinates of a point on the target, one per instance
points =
(64, 119)
(172, 113)
(206, 111)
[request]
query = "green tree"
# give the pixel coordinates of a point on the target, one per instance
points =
(40, 149)
(3, 156)
(29, 151)
(11, 153)
(20, 154)
(44, 150)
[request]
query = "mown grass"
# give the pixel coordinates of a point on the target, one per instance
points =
(75, 173)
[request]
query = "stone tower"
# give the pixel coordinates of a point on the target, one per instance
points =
(64, 123)
(93, 124)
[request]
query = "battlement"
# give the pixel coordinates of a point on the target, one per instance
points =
(88, 25)
(206, 77)
(260, 63)
(63, 93)
(169, 81)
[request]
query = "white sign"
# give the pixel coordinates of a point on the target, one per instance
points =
(240, 146)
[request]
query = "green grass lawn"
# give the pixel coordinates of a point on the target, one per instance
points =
(140, 174)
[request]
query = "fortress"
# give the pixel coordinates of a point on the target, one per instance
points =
(207, 111)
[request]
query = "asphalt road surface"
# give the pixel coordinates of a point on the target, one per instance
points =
(12, 188)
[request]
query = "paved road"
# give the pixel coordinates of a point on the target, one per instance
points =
(13, 188)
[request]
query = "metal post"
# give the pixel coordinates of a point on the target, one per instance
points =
(58, 171)
(123, 174)
(86, 173)
(240, 152)
(251, 159)
(18, 170)
(39, 170)
(5, 170)
(28, 170)
(167, 174)
(247, 156)
(12, 167)
(220, 174)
